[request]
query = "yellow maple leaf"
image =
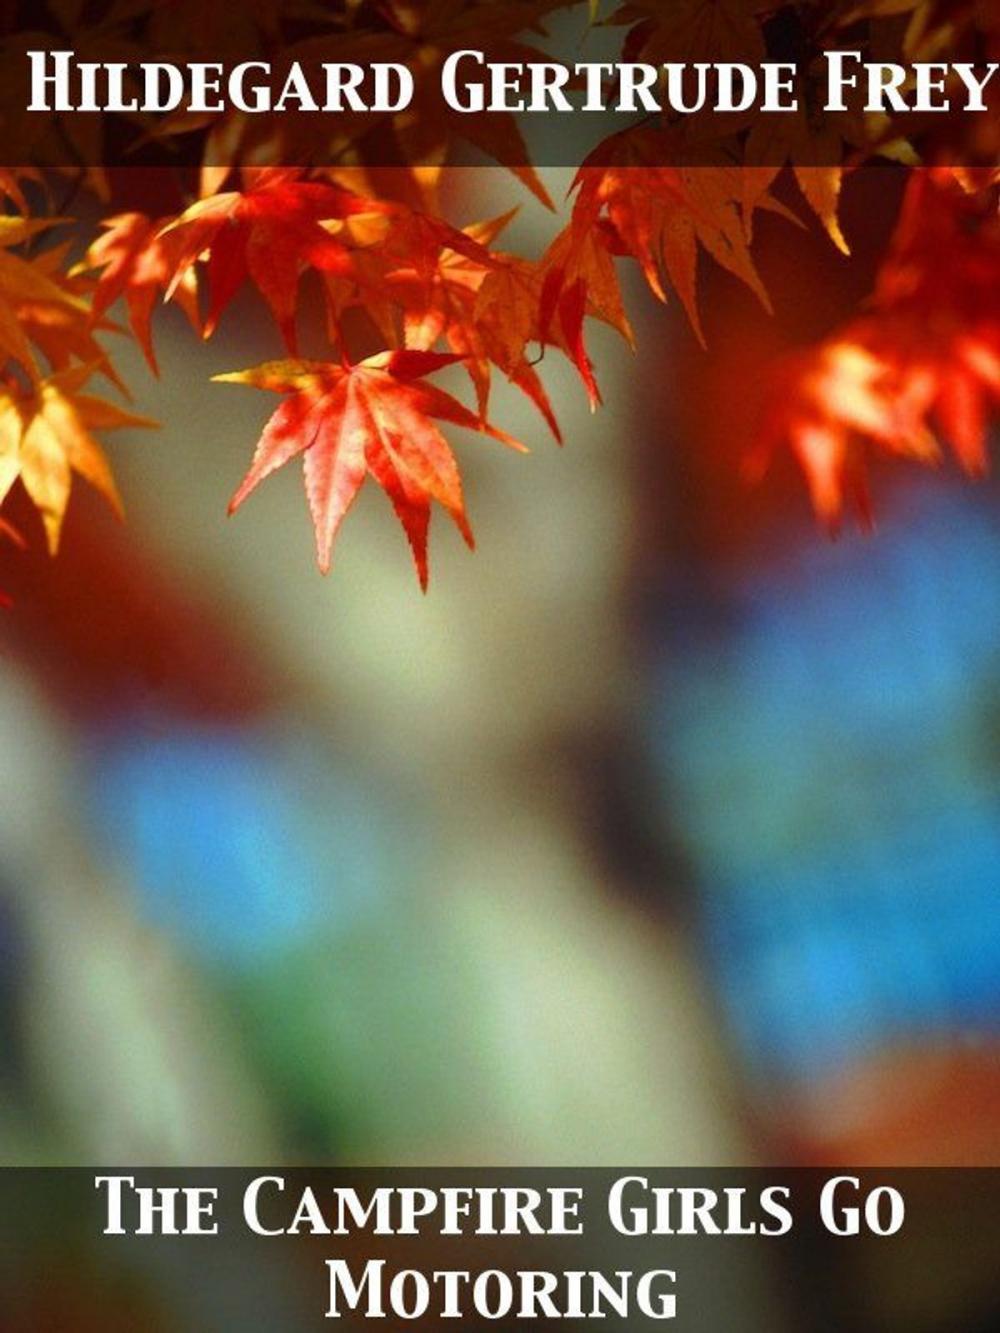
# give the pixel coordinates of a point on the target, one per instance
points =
(46, 434)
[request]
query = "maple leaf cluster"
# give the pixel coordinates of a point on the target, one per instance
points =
(50, 353)
(919, 370)
(407, 294)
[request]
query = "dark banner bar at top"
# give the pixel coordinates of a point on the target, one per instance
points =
(542, 82)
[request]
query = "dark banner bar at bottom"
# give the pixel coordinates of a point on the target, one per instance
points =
(704, 1251)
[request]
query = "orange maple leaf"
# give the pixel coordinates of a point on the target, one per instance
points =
(135, 263)
(657, 215)
(65, 333)
(269, 231)
(949, 372)
(26, 282)
(828, 403)
(398, 253)
(441, 305)
(884, 381)
(806, 148)
(923, 361)
(579, 279)
(935, 316)
(376, 417)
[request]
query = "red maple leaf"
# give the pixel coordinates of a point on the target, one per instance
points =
(377, 418)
